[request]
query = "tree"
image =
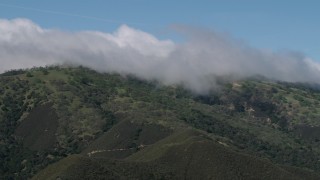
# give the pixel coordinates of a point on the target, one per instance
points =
(29, 74)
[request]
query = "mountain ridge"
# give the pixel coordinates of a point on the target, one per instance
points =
(85, 111)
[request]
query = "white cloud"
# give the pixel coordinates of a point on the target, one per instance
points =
(24, 44)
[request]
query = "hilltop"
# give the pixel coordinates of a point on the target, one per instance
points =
(77, 123)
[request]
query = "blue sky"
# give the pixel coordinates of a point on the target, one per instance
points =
(266, 24)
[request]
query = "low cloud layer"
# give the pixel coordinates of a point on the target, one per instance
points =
(193, 63)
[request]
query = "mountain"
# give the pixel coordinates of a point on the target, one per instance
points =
(76, 123)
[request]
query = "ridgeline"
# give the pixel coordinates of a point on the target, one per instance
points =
(75, 123)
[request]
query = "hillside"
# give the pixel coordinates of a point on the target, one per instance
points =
(77, 123)
(184, 155)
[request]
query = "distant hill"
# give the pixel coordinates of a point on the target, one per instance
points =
(75, 123)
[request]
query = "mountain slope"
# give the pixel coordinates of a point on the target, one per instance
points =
(184, 155)
(49, 114)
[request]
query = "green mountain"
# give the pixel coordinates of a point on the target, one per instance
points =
(75, 123)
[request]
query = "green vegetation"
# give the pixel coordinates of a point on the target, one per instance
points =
(48, 114)
(182, 155)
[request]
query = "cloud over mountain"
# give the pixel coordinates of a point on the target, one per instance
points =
(24, 44)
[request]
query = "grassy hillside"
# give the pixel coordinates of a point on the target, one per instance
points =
(51, 114)
(184, 155)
